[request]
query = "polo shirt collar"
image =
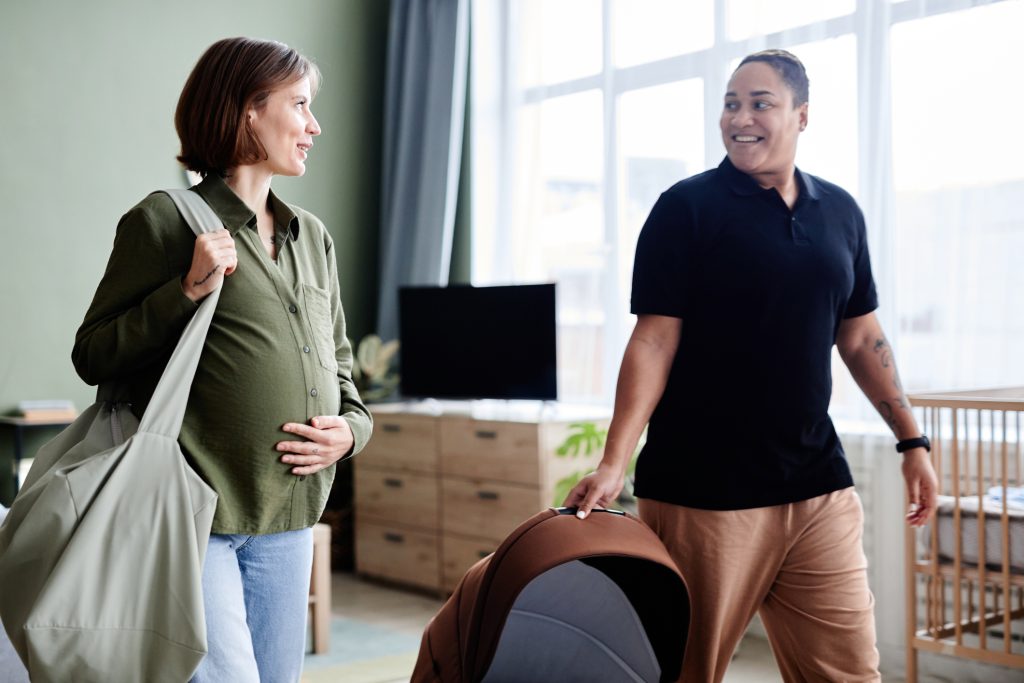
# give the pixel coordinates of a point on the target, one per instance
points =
(742, 184)
(808, 185)
(738, 181)
(235, 214)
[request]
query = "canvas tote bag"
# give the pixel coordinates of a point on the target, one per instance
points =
(101, 553)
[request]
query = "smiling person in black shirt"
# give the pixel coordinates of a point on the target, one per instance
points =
(743, 476)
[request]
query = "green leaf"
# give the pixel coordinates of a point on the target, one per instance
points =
(570, 446)
(586, 437)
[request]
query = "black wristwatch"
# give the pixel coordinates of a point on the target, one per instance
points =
(918, 442)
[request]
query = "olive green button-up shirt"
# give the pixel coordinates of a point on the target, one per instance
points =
(276, 351)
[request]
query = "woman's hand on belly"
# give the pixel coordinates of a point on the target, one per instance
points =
(328, 440)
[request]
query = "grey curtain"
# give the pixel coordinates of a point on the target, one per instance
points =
(424, 109)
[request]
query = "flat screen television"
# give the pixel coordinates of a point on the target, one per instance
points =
(464, 342)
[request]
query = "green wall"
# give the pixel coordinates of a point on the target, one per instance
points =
(89, 90)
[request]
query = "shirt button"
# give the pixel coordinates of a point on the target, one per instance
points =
(313, 393)
(291, 308)
(305, 349)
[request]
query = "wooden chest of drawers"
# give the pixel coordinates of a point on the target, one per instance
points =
(436, 492)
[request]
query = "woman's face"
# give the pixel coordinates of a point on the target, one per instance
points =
(286, 126)
(759, 123)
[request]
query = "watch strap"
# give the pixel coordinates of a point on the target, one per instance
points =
(917, 442)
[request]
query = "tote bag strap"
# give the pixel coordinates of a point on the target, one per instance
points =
(166, 408)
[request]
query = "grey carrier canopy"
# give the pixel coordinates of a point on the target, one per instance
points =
(563, 600)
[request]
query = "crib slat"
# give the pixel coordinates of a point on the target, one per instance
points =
(934, 598)
(938, 586)
(982, 587)
(1005, 529)
(1020, 446)
(970, 601)
(957, 535)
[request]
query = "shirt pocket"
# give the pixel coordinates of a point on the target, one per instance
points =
(318, 311)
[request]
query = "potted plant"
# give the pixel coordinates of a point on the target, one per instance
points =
(372, 369)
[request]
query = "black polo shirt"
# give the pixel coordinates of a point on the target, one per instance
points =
(761, 290)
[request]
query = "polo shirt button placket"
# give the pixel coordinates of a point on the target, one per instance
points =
(292, 308)
(305, 349)
(313, 392)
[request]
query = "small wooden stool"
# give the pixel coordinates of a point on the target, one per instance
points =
(320, 589)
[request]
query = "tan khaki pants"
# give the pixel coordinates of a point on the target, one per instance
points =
(800, 565)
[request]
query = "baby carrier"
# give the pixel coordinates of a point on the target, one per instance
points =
(563, 600)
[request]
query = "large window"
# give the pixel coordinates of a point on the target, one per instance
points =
(584, 111)
(958, 179)
(652, 155)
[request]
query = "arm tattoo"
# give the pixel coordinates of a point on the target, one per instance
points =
(196, 283)
(888, 408)
(882, 347)
(886, 412)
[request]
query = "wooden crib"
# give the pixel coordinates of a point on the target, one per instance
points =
(957, 603)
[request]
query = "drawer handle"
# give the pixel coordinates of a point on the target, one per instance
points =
(487, 495)
(393, 483)
(486, 434)
(392, 429)
(394, 538)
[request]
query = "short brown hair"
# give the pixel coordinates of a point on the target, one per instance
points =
(233, 76)
(790, 69)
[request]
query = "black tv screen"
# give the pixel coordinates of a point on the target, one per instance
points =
(465, 342)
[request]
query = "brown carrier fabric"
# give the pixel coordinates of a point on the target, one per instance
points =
(460, 642)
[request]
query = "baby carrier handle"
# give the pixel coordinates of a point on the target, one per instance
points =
(572, 511)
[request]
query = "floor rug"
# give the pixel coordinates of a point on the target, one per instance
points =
(363, 653)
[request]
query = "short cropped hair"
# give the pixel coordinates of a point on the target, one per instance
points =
(233, 76)
(789, 68)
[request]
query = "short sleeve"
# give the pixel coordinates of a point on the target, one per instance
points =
(661, 266)
(864, 298)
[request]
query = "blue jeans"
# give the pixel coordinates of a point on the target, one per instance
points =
(256, 598)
